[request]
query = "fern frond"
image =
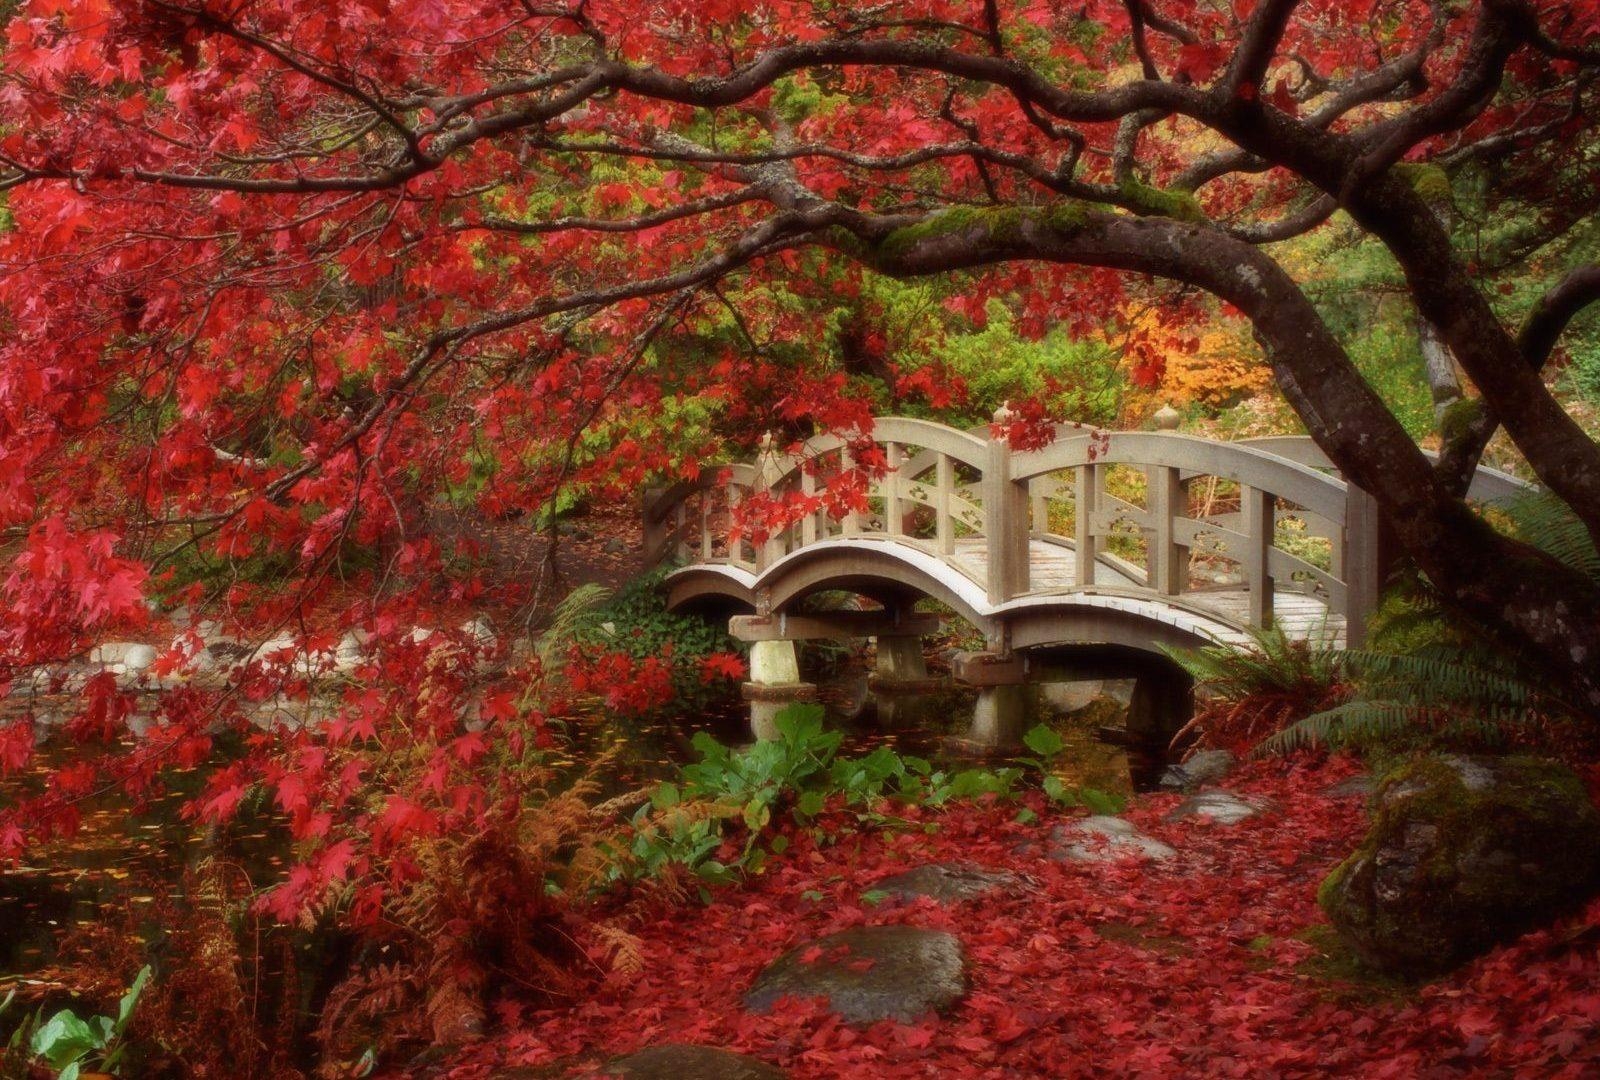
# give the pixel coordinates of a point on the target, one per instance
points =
(1353, 721)
(1547, 523)
(566, 620)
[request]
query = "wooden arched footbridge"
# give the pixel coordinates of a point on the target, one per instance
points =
(1127, 540)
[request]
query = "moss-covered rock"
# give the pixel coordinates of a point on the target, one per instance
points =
(1464, 852)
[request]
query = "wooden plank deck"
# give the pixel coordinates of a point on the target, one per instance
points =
(1053, 568)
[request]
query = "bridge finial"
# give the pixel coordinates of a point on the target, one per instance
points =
(1167, 418)
(1004, 414)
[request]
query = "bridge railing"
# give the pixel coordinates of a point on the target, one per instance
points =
(919, 482)
(1151, 512)
(1248, 497)
(692, 521)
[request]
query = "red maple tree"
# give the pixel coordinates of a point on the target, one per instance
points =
(277, 277)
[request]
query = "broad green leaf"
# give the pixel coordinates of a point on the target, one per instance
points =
(131, 999)
(1044, 741)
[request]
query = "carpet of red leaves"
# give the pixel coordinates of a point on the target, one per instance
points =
(1200, 966)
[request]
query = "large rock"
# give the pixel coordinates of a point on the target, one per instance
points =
(870, 973)
(946, 882)
(1104, 838)
(1463, 853)
(1202, 768)
(1222, 807)
(680, 1061)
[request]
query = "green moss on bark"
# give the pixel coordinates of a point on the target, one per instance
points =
(1000, 223)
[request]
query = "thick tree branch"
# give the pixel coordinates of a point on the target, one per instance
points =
(1466, 441)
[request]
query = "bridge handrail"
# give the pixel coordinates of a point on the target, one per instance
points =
(965, 447)
(1300, 484)
(1488, 484)
(1013, 509)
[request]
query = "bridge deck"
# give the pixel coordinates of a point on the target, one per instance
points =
(1054, 569)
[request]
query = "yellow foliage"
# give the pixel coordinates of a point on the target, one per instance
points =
(1223, 369)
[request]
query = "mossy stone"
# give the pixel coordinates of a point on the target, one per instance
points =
(868, 974)
(1463, 853)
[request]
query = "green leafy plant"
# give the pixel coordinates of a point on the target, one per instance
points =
(1048, 745)
(69, 1043)
(1429, 681)
(796, 777)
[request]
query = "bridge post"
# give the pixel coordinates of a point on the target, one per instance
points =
(850, 525)
(1086, 497)
(1000, 716)
(656, 529)
(1005, 520)
(1260, 528)
(945, 481)
(893, 510)
(774, 685)
(1364, 568)
(1162, 702)
(900, 683)
(767, 471)
(1166, 501)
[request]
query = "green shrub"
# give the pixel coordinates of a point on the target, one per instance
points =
(795, 777)
(635, 621)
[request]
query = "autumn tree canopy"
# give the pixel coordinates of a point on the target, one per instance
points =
(280, 273)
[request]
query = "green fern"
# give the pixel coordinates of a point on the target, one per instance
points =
(1253, 692)
(567, 620)
(1540, 519)
(1274, 663)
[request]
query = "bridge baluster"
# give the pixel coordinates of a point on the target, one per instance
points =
(1005, 521)
(1168, 565)
(808, 524)
(706, 551)
(1087, 497)
(1260, 525)
(893, 521)
(735, 547)
(680, 530)
(852, 520)
(945, 478)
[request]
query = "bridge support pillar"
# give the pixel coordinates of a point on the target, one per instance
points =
(774, 685)
(1005, 700)
(1000, 718)
(900, 668)
(900, 682)
(1161, 704)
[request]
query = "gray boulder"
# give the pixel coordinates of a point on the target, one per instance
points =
(1222, 807)
(1205, 767)
(1103, 838)
(1463, 853)
(946, 882)
(868, 974)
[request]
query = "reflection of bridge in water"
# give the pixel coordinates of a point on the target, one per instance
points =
(1079, 559)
